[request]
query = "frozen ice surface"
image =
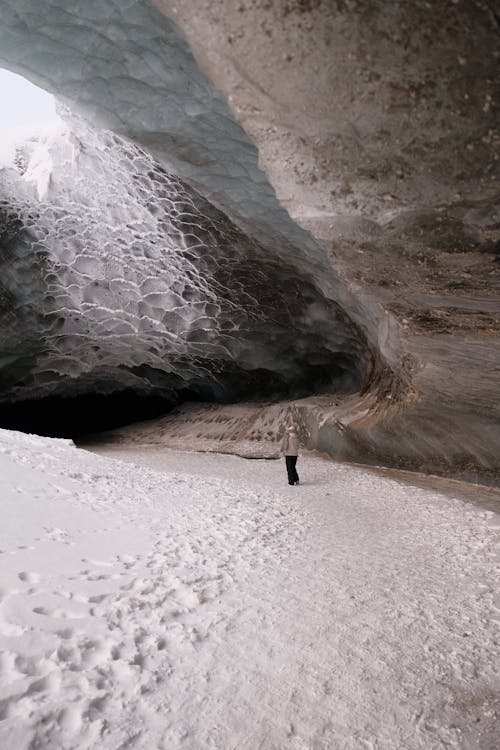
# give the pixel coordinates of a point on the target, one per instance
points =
(119, 275)
(176, 600)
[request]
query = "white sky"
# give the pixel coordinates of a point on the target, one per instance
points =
(24, 103)
(26, 110)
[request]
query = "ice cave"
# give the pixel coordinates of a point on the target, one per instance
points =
(284, 205)
(250, 375)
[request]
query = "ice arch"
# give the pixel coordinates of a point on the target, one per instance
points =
(214, 307)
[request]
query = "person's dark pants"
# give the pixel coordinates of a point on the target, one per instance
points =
(291, 462)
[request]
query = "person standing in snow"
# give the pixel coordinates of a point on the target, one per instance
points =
(290, 449)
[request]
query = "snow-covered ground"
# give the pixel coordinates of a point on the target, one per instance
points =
(197, 601)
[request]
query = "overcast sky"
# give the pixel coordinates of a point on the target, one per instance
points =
(24, 106)
(26, 111)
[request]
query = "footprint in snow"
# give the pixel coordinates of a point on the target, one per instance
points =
(90, 576)
(70, 720)
(28, 576)
(98, 563)
(60, 613)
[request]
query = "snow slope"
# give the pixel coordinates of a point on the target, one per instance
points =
(197, 601)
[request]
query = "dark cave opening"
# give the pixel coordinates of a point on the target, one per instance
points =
(61, 417)
(91, 413)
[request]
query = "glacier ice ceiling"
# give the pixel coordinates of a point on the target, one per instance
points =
(156, 251)
(117, 275)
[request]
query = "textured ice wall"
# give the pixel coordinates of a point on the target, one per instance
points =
(117, 275)
(127, 67)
